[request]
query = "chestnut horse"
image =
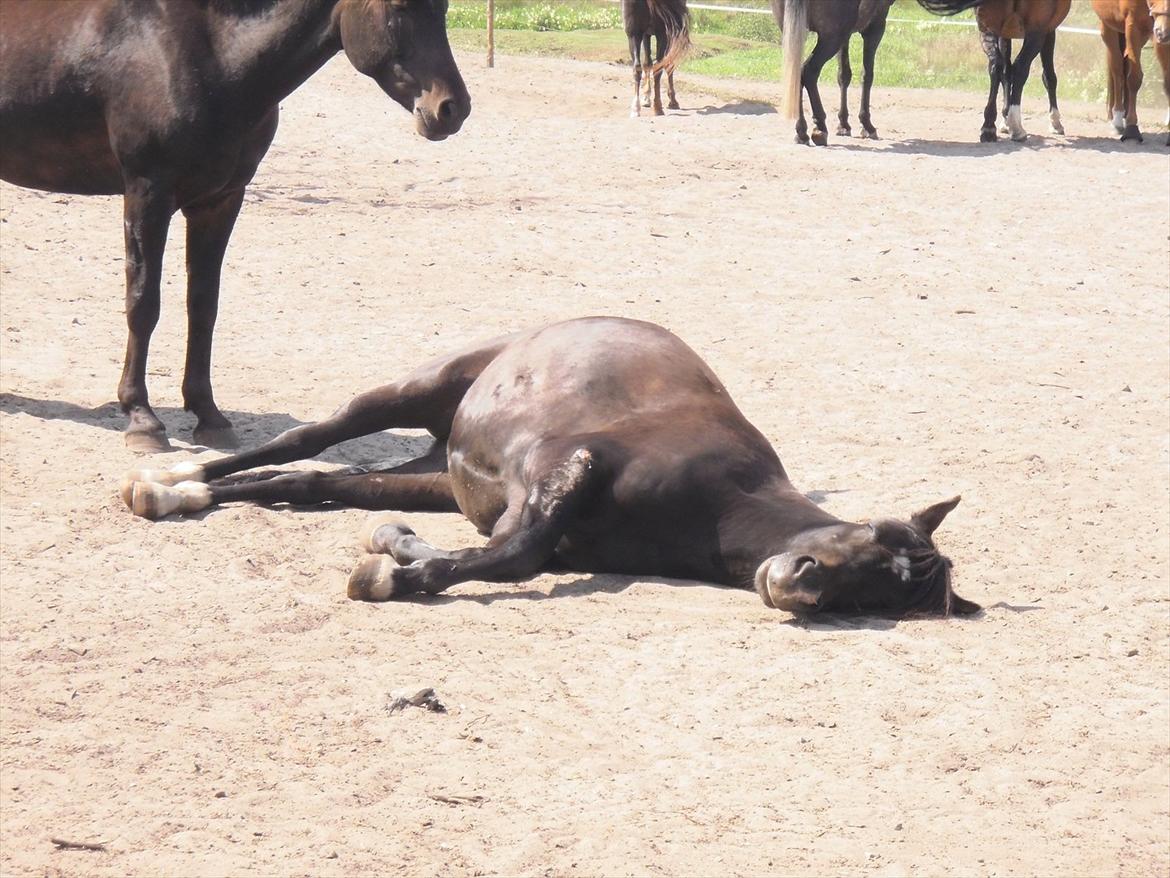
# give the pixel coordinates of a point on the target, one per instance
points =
(601, 444)
(1126, 27)
(834, 22)
(669, 23)
(1001, 21)
(173, 105)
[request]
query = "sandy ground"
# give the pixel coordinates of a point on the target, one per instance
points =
(906, 320)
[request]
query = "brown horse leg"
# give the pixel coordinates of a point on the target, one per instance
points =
(1019, 71)
(1162, 50)
(844, 77)
(1135, 41)
(991, 48)
(209, 225)
(1048, 76)
(871, 39)
(661, 43)
(148, 206)
(636, 106)
(520, 546)
(672, 98)
(1115, 71)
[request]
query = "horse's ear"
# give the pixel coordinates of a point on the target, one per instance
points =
(931, 517)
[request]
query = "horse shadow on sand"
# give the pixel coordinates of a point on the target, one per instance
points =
(736, 108)
(1154, 144)
(252, 428)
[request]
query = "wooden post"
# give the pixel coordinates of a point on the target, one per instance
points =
(491, 22)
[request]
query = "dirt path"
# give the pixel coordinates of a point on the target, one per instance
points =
(906, 320)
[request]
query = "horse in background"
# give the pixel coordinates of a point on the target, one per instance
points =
(834, 22)
(1001, 21)
(1126, 27)
(669, 23)
(172, 106)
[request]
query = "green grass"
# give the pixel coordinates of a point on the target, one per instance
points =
(921, 54)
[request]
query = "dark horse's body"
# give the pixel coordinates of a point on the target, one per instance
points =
(603, 443)
(1001, 21)
(173, 105)
(833, 21)
(668, 22)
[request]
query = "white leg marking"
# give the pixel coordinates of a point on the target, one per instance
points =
(1054, 121)
(1015, 125)
(1119, 121)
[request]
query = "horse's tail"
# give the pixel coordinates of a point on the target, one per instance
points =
(677, 21)
(792, 54)
(948, 7)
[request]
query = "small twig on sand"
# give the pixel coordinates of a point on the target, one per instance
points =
(65, 845)
(456, 800)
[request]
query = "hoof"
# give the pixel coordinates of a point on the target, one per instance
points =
(673, 105)
(1020, 136)
(369, 539)
(658, 111)
(1131, 133)
(844, 131)
(801, 139)
(153, 501)
(988, 135)
(148, 442)
(372, 579)
(819, 137)
(869, 134)
(216, 437)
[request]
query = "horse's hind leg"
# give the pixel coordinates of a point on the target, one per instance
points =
(1020, 69)
(671, 97)
(523, 542)
(661, 44)
(1162, 50)
(647, 67)
(826, 47)
(994, 72)
(1048, 75)
(636, 105)
(1005, 79)
(209, 226)
(871, 39)
(427, 399)
(844, 77)
(1134, 43)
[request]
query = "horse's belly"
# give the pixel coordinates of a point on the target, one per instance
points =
(50, 154)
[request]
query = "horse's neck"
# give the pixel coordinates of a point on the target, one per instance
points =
(268, 49)
(759, 525)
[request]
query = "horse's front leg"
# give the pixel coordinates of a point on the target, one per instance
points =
(991, 47)
(1048, 76)
(871, 39)
(647, 68)
(1134, 43)
(1020, 69)
(658, 111)
(844, 78)
(209, 226)
(523, 542)
(672, 98)
(636, 104)
(147, 207)
(810, 74)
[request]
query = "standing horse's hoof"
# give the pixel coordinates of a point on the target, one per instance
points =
(673, 105)
(372, 579)
(819, 137)
(844, 131)
(148, 441)
(216, 437)
(1131, 133)
(988, 135)
(1020, 136)
(801, 139)
(869, 133)
(658, 111)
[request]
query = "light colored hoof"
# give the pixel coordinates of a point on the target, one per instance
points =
(153, 442)
(1056, 126)
(367, 537)
(153, 501)
(216, 437)
(180, 472)
(372, 579)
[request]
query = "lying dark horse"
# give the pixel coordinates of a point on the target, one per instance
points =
(173, 105)
(603, 444)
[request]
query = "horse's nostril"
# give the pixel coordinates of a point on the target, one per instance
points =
(803, 564)
(448, 110)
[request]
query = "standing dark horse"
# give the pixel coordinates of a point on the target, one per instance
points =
(173, 105)
(669, 23)
(1126, 27)
(833, 21)
(603, 444)
(1001, 21)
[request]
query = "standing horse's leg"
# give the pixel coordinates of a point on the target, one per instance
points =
(1005, 78)
(1019, 76)
(660, 40)
(1115, 69)
(672, 98)
(990, 42)
(636, 105)
(523, 541)
(209, 226)
(147, 208)
(1048, 76)
(647, 67)
(1162, 50)
(826, 47)
(871, 39)
(844, 77)
(1134, 43)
